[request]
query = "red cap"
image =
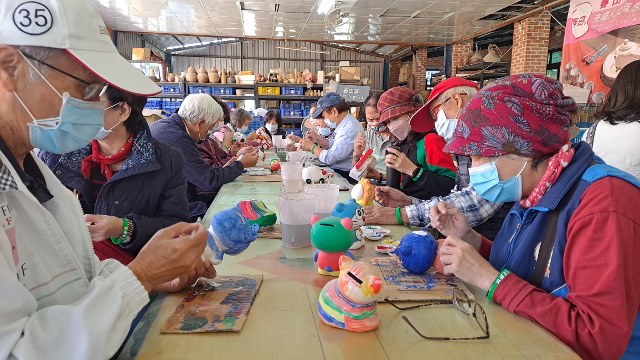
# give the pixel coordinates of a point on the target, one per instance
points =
(422, 121)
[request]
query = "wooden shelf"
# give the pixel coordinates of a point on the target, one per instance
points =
(235, 97)
(484, 66)
(314, 86)
(288, 97)
(484, 76)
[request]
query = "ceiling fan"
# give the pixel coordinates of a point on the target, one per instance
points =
(337, 16)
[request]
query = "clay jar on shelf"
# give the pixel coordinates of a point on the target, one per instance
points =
(203, 77)
(214, 76)
(191, 75)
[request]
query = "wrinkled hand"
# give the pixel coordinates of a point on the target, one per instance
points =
(462, 260)
(449, 220)
(235, 147)
(104, 226)
(249, 158)
(379, 215)
(399, 161)
(306, 145)
(295, 138)
(313, 136)
(171, 253)
(358, 145)
(388, 196)
(227, 138)
(244, 150)
(252, 136)
(203, 269)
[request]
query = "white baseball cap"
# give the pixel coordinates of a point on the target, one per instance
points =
(75, 26)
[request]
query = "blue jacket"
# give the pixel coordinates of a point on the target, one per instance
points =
(149, 189)
(204, 181)
(523, 228)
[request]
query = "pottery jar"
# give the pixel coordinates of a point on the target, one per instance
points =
(203, 77)
(214, 76)
(191, 75)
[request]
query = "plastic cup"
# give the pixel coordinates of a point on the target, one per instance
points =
(326, 197)
(296, 210)
(296, 156)
(291, 176)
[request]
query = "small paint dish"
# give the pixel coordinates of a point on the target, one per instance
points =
(374, 236)
(374, 233)
(384, 249)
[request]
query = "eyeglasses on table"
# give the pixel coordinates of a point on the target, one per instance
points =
(461, 302)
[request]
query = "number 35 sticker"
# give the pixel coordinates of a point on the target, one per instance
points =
(32, 18)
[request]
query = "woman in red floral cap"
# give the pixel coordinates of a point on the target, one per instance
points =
(415, 161)
(567, 254)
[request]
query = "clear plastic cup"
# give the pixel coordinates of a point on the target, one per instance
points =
(291, 176)
(327, 197)
(296, 210)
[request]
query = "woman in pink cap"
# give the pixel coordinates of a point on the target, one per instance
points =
(567, 254)
(415, 162)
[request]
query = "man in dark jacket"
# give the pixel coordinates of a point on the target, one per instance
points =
(195, 118)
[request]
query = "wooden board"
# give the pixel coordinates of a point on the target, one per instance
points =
(262, 178)
(222, 308)
(271, 232)
(401, 285)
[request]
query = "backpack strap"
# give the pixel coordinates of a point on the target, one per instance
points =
(591, 133)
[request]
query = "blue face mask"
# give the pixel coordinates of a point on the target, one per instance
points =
(324, 131)
(78, 123)
(487, 184)
(330, 124)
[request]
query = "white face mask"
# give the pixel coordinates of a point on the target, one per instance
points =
(444, 126)
(273, 128)
(244, 129)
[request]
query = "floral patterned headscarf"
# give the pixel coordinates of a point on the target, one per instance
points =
(525, 114)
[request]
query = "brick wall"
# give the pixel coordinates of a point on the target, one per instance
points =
(419, 68)
(436, 63)
(530, 45)
(556, 40)
(394, 72)
(458, 53)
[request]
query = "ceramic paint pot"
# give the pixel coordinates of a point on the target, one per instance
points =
(214, 76)
(191, 75)
(203, 77)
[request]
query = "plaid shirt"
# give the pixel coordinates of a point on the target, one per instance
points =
(474, 207)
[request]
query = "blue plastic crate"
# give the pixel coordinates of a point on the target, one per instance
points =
(290, 106)
(154, 104)
(171, 89)
(292, 90)
(291, 113)
(195, 89)
(255, 124)
(293, 131)
(578, 138)
(222, 91)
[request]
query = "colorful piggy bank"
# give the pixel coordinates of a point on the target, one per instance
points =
(314, 175)
(417, 251)
(363, 193)
(230, 232)
(332, 237)
(354, 211)
(350, 301)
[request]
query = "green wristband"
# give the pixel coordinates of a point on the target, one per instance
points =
(125, 228)
(415, 178)
(399, 217)
(313, 148)
(497, 281)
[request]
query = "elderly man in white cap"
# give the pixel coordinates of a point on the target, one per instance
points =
(58, 301)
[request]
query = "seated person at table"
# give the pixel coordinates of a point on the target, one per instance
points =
(119, 159)
(567, 255)
(338, 149)
(213, 150)
(239, 120)
(377, 137)
(445, 103)
(195, 118)
(272, 125)
(416, 164)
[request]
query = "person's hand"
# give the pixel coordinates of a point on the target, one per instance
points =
(388, 196)
(227, 137)
(358, 145)
(295, 138)
(235, 147)
(171, 253)
(312, 136)
(462, 260)
(450, 221)
(244, 150)
(399, 161)
(372, 173)
(306, 145)
(249, 159)
(380, 215)
(261, 131)
(103, 227)
(203, 269)
(252, 136)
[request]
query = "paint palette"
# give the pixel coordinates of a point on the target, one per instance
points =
(374, 233)
(257, 171)
(387, 246)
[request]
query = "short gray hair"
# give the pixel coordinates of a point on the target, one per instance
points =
(238, 115)
(468, 90)
(41, 53)
(200, 106)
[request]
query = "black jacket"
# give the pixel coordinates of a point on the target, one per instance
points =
(150, 188)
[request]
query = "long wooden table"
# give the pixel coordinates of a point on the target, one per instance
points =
(283, 322)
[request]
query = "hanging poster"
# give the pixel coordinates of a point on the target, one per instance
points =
(601, 38)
